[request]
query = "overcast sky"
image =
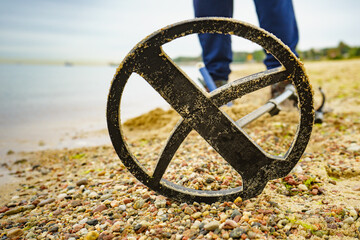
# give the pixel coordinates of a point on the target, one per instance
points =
(106, 30)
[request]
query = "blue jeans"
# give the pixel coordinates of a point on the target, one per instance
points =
(275, 16)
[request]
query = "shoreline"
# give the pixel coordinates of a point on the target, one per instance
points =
(73, 193)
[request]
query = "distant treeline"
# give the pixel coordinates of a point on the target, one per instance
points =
(342, 51)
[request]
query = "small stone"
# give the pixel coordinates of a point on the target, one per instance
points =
(77, 227)
(22, 220)
(35, 202)
(139, 228)
(178, 237)
(211, 226)
(160, 203)
(210, 179)
(114, 203)
(332, 226)
(235, 213)
(92, 222)
(54, 228)
(122, 207)
(14, 233)
(196, 215)
(106, 196)
(93, 235)
(32, 235)
(237, 218)
(76, 203)
(329, 219)
(205, 213)
(251, 235)
(61, 196)
(99, 208)
(116, 227)
(229, 224)
(281, 224)
(14, 211)
(314, 191)
(188, 211)
(4, 209)
(83, 181)
(93, 195)
(353, 213)
(83, 221)
(349, 220)
(189, 233)
(356, 188)
(354, 147)
(302, 187)
(57, 212)
(238, 200)
(139, 204)
(333, 182)
(45, 202)
(83, 231)
(236, 233)
(297, 169)
(106, 236)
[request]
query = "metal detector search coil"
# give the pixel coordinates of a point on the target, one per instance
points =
(200, 111)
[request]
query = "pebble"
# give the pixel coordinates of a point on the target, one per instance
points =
(61, 196)
(93, 235)
(99, 208)
(229, 224)
(196, 215)
(54, 228)
(106, 196)
(84, 231)
(106, 236)
(139, 204)
(160, 203)
(83, 221)
(93, 195)
(116, 227)
(302, 187)
(47, 201)
(236, 233)
(14, 233)
(211, 226)
(122, 207)
(114, 203)
(354, 147)
(353, 213)
(235, 213)
(92, 222)
(14, 211)
(349, 220)
(188, 211)
(83, 181)
(76, 203)
(77, 227)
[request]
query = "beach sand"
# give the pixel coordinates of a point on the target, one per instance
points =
(87, 193)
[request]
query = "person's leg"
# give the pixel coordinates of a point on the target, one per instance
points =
(216, 48)
(278, 18)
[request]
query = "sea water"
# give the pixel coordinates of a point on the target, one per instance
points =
(47, 106)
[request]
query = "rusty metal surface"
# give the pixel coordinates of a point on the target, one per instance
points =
(200, 111)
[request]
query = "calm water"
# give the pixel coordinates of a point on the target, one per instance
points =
(48, 106)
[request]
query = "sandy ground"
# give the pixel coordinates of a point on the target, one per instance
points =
(50, 193)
